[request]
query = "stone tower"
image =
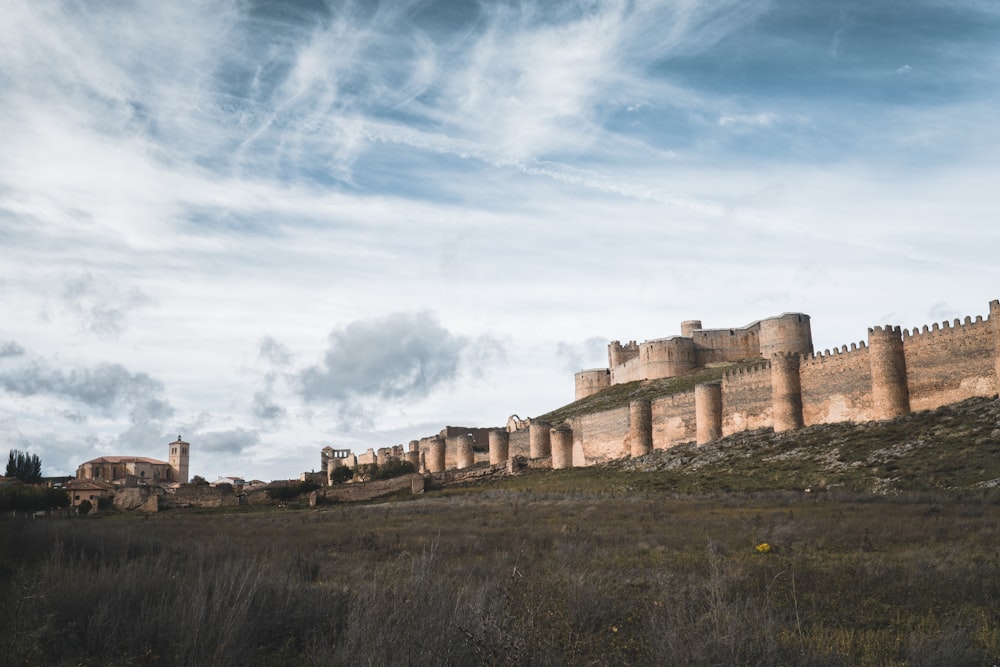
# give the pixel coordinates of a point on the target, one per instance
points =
(180, 453)
(786, 392)
(890, 392)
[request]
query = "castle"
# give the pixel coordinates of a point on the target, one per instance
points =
(776, 380)
(697, 347)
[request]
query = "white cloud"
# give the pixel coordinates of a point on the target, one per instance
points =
(206, 191)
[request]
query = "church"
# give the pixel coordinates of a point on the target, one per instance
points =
(131, 469)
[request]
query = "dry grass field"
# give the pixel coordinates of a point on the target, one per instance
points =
(514, 577)
(695, 556)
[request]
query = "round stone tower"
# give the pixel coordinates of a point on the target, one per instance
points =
(786, 392)
(592, 381)
(708, 411)
(539, 442)
(562, 447)
(640, 431)
(790, 332)
(179, 458)
(499, 446)
(465, 457)
(666, 357)
(890, 392)
(435, 462)
(688, 327)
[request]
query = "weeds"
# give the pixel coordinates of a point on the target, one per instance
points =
(514, 577)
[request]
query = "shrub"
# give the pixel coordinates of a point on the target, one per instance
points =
(32, 499)
(341, 474)
(84, 507)
(370, 472)
(290, 491)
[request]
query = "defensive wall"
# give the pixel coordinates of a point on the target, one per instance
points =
(893, 372)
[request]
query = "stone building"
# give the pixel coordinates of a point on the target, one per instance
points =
(91, 490)
(126, 469)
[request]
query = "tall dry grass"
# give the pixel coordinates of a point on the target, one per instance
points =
(513, 578)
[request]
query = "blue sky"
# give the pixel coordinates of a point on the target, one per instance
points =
(274, 226)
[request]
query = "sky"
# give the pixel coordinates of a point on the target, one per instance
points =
(275, 226)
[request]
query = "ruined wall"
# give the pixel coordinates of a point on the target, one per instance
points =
(836, 386)
(519, 443)
(746, 399)
(948, 363)
(453, 437)
(199, 496)
(347, 493)
(673, 420)
(600, 435)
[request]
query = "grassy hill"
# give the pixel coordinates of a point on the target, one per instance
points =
(619, 395)
(953, 448)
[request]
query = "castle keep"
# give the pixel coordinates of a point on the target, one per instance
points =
(777, 381)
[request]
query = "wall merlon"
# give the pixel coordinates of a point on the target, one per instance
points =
(947, 330)
(837, 354)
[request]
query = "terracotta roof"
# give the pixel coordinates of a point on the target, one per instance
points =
(126, 459)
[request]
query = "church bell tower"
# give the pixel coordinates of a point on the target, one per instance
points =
(179, 455)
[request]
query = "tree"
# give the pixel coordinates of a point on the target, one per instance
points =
(25, 467)
(341, 474)
(84, 507)
(198, 480)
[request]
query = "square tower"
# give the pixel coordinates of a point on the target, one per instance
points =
(180, 452)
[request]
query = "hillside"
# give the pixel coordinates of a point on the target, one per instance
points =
(953, 448)
(619, 395)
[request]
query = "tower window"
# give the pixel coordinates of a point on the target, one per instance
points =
(184, 450)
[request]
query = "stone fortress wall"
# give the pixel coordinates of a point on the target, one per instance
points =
(892, 373)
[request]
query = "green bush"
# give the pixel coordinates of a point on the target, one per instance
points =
(290, 491)
(370, 472)
(23, 498)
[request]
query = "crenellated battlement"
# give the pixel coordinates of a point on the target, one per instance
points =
(753, 369)
(926, 333)
(837, 354)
